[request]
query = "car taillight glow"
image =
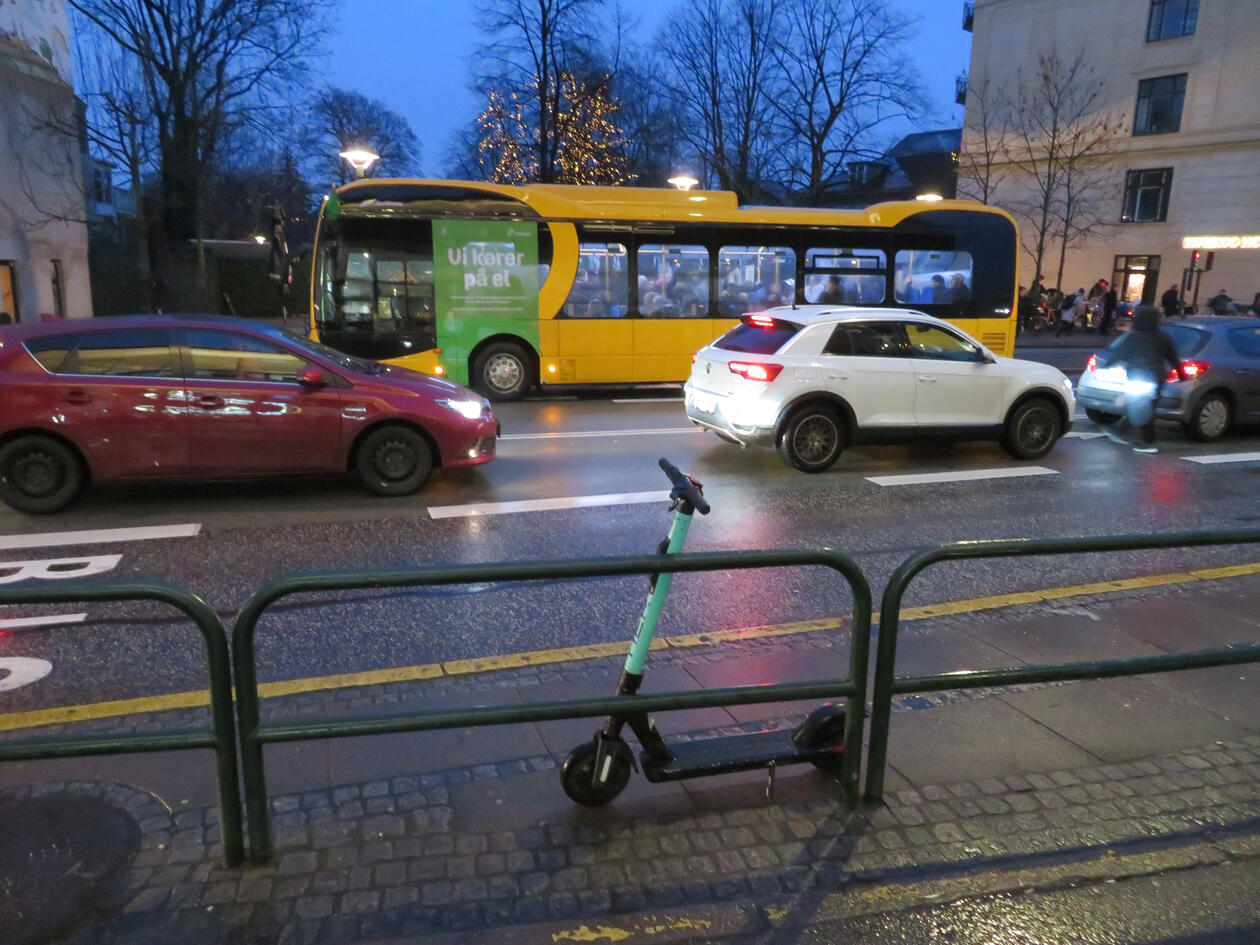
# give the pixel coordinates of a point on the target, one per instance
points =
(755, 370)
(1191, 369)
(762, 321)
(1091, 362)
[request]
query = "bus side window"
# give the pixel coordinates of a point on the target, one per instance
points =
(933, 277)
(601, 286)
(673, 281)
(751, 278)
(843, 276)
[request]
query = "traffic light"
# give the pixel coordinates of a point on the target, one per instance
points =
(1194, 260)
(1208, 265)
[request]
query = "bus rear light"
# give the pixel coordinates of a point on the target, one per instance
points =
(755, 370)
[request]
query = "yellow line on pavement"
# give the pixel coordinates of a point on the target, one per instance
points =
(14, 721)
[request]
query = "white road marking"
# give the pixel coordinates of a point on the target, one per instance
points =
(589, 433)
(22, 671)
(962, 475)
(1080, 435)
(50, 620)
(1225, 458)
(650, 400)
(97, 536)
(544, 505)
(57, 569)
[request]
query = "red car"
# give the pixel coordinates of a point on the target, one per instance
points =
(168, 396)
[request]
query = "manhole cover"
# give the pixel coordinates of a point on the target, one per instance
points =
(62, 860)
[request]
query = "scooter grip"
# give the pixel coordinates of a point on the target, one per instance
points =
(684, 487)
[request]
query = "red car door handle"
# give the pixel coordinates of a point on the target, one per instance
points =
(209, 402)
(78, 397)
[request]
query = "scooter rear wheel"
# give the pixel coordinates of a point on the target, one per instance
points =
(577, 775)
(825, 726)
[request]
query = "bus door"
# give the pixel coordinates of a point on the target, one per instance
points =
(594, 335)
(673, 304)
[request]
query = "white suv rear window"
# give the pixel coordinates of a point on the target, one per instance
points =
(757, 339)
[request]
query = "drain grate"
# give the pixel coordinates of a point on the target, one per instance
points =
(62, 864)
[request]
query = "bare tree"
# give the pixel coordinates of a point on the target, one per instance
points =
(203, 65)
(843, 74)
(1085, 206)
(342, 119)
(1056, 129)
(532, 44)
(719, 58)
(984, 159)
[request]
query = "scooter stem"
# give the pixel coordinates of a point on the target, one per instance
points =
(656, 599)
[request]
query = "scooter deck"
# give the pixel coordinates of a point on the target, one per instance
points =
(735, 753)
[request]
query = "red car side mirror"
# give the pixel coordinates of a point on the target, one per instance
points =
(311, 376)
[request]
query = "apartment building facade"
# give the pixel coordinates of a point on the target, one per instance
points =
(43, 233)
(1181, 175)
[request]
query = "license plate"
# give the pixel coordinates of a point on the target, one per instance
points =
(705, 403)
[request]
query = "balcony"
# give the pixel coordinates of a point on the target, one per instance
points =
(969, 14)
(960, 89)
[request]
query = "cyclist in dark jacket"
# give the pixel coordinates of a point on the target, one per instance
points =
(1147, 352)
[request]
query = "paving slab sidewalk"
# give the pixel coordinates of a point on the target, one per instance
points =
(454, 835)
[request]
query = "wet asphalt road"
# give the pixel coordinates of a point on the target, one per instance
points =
(554, 449)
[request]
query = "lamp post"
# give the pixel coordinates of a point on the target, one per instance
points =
(683, 181)
(360, 159)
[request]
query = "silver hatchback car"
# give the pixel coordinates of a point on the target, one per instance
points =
(1221, 358)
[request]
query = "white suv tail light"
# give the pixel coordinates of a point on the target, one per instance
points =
(755, 370)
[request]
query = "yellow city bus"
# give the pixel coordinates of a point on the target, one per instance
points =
(506, 288)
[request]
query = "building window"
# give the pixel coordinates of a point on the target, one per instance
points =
(1171, 18)
(58, 289)
(102, 190)
(1146, 195)
(1159, 104)
(8, 292)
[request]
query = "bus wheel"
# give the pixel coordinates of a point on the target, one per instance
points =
(503, 371)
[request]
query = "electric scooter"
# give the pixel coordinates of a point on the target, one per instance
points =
(597, 771)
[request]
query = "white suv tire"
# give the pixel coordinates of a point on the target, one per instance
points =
(813, 438)
(1032, 429)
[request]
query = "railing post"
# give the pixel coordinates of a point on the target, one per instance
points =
(217, 664)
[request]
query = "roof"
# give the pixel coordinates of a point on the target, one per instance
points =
(65, 325)
(815, 313)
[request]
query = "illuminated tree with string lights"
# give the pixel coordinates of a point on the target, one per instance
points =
(590, 147)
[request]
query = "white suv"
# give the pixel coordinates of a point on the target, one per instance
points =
(812, 379)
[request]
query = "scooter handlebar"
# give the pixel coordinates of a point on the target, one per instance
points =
(684, 487)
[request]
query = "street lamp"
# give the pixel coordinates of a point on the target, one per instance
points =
(360, 159)
(683, 181)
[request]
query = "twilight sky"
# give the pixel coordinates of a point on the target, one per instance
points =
(413, 55)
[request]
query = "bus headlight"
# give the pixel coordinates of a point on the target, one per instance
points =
(471, 409)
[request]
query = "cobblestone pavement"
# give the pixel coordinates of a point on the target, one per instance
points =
(456, 853)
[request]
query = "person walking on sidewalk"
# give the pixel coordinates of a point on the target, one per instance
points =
(1067, 312)
(1170, 301)
(1109, 303)
(1147, 352)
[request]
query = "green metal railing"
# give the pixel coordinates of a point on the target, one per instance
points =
(885, 685)
(253, 735)
(221, 735)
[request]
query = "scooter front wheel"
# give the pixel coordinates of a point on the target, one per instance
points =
(577, 775)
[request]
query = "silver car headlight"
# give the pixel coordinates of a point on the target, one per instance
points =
(470, 409)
